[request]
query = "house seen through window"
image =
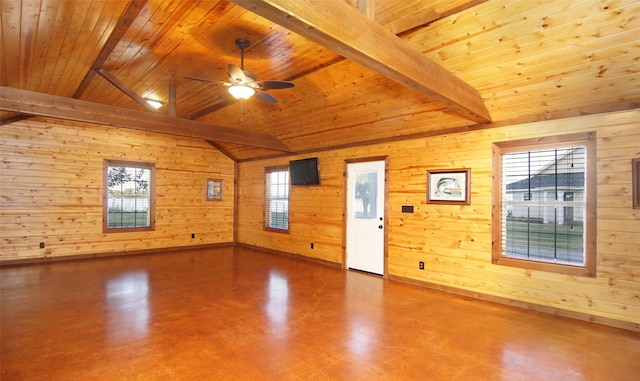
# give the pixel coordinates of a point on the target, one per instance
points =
(129, 196)
(546, 203)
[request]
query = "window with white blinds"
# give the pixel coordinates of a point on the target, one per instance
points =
(277, 198)
(545, 216)
(129, 191)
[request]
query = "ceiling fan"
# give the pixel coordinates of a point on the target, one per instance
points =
(244, 84)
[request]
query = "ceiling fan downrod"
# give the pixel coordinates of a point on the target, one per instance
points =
(242, 43)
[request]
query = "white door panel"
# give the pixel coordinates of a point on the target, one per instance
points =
(365, 216)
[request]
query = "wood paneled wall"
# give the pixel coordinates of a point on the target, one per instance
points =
(455, 241)
(52, 190)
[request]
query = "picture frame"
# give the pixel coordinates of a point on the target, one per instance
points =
(214, 190)
(635, 179)
(449, 186)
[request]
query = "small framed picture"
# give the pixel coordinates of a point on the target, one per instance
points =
(449, 186)
(635, 179)
(214, 189)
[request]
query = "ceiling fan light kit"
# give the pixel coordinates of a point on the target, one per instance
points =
(243, 84)
(241, 91)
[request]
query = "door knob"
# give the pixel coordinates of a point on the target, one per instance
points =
(379, 226)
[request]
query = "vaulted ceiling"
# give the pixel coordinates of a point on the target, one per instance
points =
(364, 71)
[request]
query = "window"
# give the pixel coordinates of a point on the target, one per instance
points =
(277, 198)
(129, 189)
(553, 227)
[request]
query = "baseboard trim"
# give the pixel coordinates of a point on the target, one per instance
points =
(629, 326)
(36, 260)
(290, 255)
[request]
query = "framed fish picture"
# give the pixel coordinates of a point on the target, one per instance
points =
(449, 186)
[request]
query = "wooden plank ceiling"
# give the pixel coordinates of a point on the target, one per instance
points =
(364, 71)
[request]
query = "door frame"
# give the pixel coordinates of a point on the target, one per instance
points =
(385, 197)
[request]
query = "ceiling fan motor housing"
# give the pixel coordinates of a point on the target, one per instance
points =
(242, 43)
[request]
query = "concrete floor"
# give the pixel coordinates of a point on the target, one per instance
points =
(239, 314)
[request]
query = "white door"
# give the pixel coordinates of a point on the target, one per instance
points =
(365, 216)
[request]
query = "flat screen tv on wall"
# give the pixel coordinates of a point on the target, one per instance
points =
(304, 171)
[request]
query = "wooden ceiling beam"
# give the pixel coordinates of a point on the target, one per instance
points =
(371, 45)
(412, 21)
(14, 119)
(367, 8)
(424, 17)
(124, 22)
(32, 103)
(127, 90)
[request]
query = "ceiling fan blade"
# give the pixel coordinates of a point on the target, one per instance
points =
(236, 75)
(268, 85)
(265, 97)
(207, 80)
(225, 96)
(250, 74)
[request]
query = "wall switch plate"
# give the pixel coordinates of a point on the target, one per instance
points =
(421, 265)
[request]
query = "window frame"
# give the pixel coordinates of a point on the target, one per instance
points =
(587, 140)
(267, 172)
(105, 201)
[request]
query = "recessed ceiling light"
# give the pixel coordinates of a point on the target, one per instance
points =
(155, 104)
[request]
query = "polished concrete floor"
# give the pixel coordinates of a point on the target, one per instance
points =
(238, 314)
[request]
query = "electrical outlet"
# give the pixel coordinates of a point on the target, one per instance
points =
(421, 265)
(312, 245)
(42, 245)
(193, 235)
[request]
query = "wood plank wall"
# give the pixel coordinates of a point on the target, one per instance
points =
(455, 241)
(52, 190)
